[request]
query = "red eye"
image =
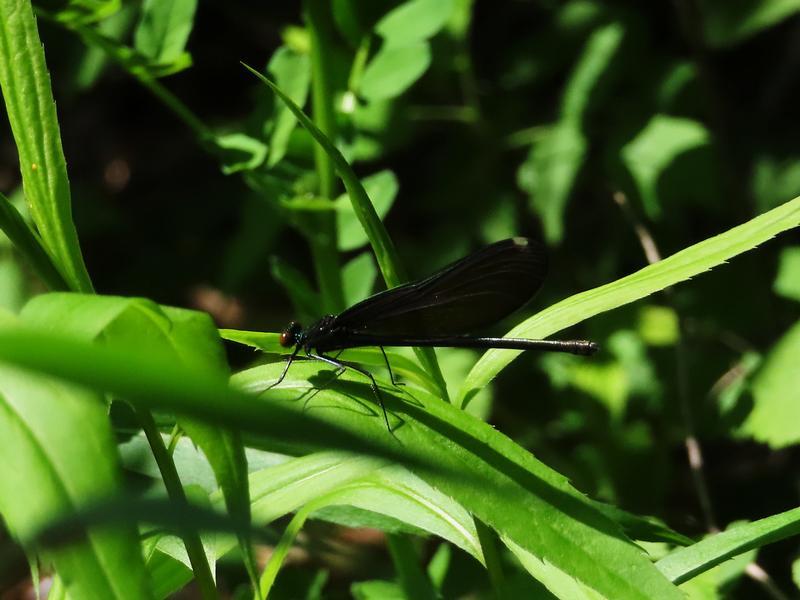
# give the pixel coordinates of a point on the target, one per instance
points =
(285, 340)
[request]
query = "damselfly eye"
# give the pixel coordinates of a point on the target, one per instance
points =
(289, 335)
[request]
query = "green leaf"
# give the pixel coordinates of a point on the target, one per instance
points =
(292, 73)
(358, 278)
(549, 173)
(382, 246)
(154, 380)
(774, 181)
(654, 148)
(728, 22)
(29, 245)
(382, 189)
(393, 70)
(414, 21)
(683, 564)
(659, 325)
(481, 470)
(88, 11)
(787, 283)
(775, 418)
(59, 454)
(239, 152)
(164, 29)
(305, 301)
(32, 114)
(189, 336)
(683, 265)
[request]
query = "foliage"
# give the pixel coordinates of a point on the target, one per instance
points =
(145, 446)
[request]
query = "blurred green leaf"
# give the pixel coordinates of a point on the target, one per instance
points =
(164, 29)
(787, 282)
(654, 148)
(358, 278)
(776, 393)
(239, 152)
(658, 325)
(377, 590)
(774, 181)
(684, 563)
(414, 21)
(306, 302)
(292, 73)
(680, 266)
(32, 114)
(193, 339)
(796, 573)
(93, 59)
(393, 70)
(382, 189)
(87, 11)
(59, 453)
(549, 173)
(728, 22)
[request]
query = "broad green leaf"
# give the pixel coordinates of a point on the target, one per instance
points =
(414, 21)
(59, 455)
(164, 29)
(12, 282)
(32, 114)
(377, 589)
(370, 357)
(683, 564)
(92, 60)
(728, 22)
(549, 172)
(775, 418)
(654, 148)
(683, 265)
(379, 239)
(481, 470)
(190, 336)
(382, 189)
(393, 70)
(152, 380)
(358, 278)
(29, 245)
(787, 283)
(292, 73)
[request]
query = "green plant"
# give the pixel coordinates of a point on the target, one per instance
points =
(99, 390)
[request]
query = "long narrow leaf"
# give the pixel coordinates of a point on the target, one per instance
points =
(28, 243)
(379, 239)
(683, 265)
(32, 114)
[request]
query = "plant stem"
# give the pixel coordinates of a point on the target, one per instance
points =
(324, 241)
(191, 539)
(413, 579)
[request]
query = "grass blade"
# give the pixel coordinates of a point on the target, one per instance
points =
(683, 265)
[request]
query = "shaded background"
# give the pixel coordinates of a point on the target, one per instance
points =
(501, 119)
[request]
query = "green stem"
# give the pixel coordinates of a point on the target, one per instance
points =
(323, 239)
(191, 539)
(491, 556)
(414, 581)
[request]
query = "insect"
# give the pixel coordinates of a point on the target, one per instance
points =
(441, 310)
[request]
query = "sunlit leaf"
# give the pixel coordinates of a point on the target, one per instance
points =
(164, 28)
(394, 69)
(414, 21)
(727, 22)
(776, 393)
(787, 283)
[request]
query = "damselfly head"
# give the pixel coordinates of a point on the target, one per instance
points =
(290, 335)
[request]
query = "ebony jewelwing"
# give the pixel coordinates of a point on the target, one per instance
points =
(441, 310)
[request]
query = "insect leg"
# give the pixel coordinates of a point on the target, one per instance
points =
(286, 368)
(388, 366)
(346, 365)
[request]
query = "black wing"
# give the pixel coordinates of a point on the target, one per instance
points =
(469, 294)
